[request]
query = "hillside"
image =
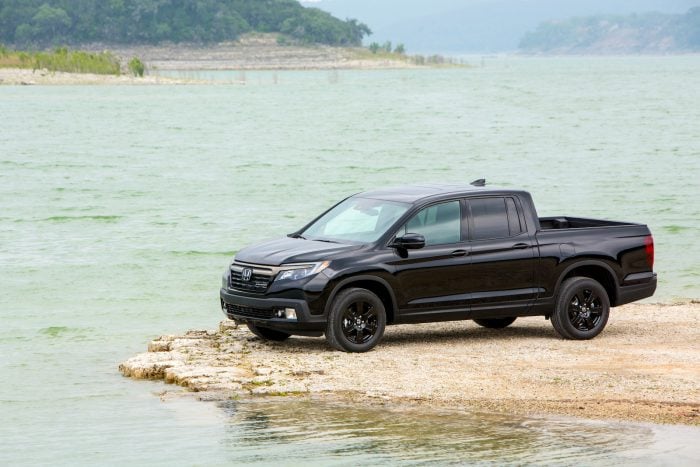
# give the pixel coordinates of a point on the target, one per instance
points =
(637, 33)
(41, 23)
(477, 26)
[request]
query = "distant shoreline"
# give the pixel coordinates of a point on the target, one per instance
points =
(258, 52)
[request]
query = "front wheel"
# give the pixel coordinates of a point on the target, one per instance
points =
(267, 333)
(356, 321)
(494, 323)
(582, 309)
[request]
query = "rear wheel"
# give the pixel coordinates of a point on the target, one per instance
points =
(582, 309)
(356, 321)
(267, 333)
(495, 323)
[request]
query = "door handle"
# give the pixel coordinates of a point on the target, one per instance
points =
(459, 253)
(520, 246)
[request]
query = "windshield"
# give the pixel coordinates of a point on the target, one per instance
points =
(356, 220)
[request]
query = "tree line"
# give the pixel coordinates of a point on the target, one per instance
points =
(38, 23)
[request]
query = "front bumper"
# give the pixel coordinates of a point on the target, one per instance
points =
(261, 311)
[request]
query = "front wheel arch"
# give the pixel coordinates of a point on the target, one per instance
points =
(374, 284)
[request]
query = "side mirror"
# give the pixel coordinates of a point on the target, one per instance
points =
(410, 241)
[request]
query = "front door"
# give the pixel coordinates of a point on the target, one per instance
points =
(432, 279)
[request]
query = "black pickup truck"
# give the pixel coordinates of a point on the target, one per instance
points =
(426, 253)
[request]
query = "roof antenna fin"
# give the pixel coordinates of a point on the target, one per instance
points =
(479, 182)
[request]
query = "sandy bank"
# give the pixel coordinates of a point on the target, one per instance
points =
(644, 366)
(19, 76)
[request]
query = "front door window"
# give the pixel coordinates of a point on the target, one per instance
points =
(440, 224)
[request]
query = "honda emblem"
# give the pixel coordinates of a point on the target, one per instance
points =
(246, 274)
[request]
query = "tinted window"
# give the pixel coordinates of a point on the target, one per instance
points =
(490, 218)
(513, 218)
(439, 224)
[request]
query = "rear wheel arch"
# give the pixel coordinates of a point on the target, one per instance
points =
(596, 270)
(374, 284)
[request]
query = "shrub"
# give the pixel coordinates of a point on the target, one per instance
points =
(136, 67)
(62, 59)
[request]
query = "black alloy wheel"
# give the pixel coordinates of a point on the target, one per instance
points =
(582, 309)
(585, 310)
(356, 321)
(359, 322)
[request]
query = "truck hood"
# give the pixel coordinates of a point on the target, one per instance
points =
(291, 250)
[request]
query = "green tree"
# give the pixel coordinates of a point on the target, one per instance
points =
(51, 21)
(400, 49)
(47, 22)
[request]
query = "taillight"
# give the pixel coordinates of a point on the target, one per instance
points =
(649, 248)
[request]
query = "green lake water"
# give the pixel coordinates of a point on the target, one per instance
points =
(120, 207)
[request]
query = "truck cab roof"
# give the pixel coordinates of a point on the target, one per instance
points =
(428, 191)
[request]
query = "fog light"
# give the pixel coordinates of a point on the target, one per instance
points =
(279, 313)
(290, 313)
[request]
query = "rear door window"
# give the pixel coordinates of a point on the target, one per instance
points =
(490, 218)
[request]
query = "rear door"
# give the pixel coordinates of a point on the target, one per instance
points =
(503, 257)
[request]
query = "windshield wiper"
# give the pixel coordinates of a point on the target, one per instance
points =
(296, 235)
(324, 240)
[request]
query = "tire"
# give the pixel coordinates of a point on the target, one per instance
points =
(494, 323)
(356, 321)
(582, 309)
(267, 334)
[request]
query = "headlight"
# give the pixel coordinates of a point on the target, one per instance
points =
(294, 272)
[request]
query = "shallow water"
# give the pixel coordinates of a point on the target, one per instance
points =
(398, 435)
(120, 206)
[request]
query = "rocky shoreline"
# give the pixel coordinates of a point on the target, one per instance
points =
(256, 53)
(645, 366)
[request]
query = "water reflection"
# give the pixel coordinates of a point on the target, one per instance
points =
(292, 431)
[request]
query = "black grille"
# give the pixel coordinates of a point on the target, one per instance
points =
(258, 282)
(264, 313)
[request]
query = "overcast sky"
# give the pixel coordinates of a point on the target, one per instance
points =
(437, 26)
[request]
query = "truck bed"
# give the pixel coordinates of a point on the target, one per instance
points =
(563, 222)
